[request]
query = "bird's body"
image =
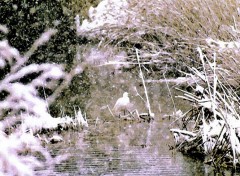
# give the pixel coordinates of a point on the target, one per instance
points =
(122, 104)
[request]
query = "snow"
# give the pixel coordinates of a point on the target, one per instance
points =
(107, 13)
(7, 52)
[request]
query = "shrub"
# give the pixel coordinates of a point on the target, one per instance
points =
(20, 100)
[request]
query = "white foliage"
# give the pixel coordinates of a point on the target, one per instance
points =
(222, 45)
(80, 119)
(107, 13)
(25, 96)
(22, 102)
(13, 164)
(7, 53)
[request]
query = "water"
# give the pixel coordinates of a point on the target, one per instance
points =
(112, 146)
(122, 148)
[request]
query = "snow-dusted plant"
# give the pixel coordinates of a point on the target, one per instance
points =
(21, 103)
(21, 97)
(108, 14)
(17, 154)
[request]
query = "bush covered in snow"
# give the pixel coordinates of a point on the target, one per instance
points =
(19, 87)
(23, 110)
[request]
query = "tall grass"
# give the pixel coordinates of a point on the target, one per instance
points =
(211, 126)
(165, 32)
(192, 19)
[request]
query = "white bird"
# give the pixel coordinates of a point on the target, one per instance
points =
(122, 104)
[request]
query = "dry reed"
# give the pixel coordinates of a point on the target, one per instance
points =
(212, 124)
(167, 32)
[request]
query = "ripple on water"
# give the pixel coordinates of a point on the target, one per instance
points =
(105, 154)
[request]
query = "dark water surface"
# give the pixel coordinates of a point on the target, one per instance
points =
(123, 148)
(112, 146)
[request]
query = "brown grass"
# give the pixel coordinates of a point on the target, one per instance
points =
(212, 125)
(172, 30)
(191, 20)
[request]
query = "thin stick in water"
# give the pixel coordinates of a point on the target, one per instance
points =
(145, 89)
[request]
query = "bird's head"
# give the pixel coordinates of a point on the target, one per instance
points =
(125, 94)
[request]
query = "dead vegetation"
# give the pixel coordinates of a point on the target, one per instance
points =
(212, 124)
(166, 33)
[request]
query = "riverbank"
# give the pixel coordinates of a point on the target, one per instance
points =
(58, 62)
(174, 41)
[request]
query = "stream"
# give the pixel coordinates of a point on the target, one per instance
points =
(113, 146)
